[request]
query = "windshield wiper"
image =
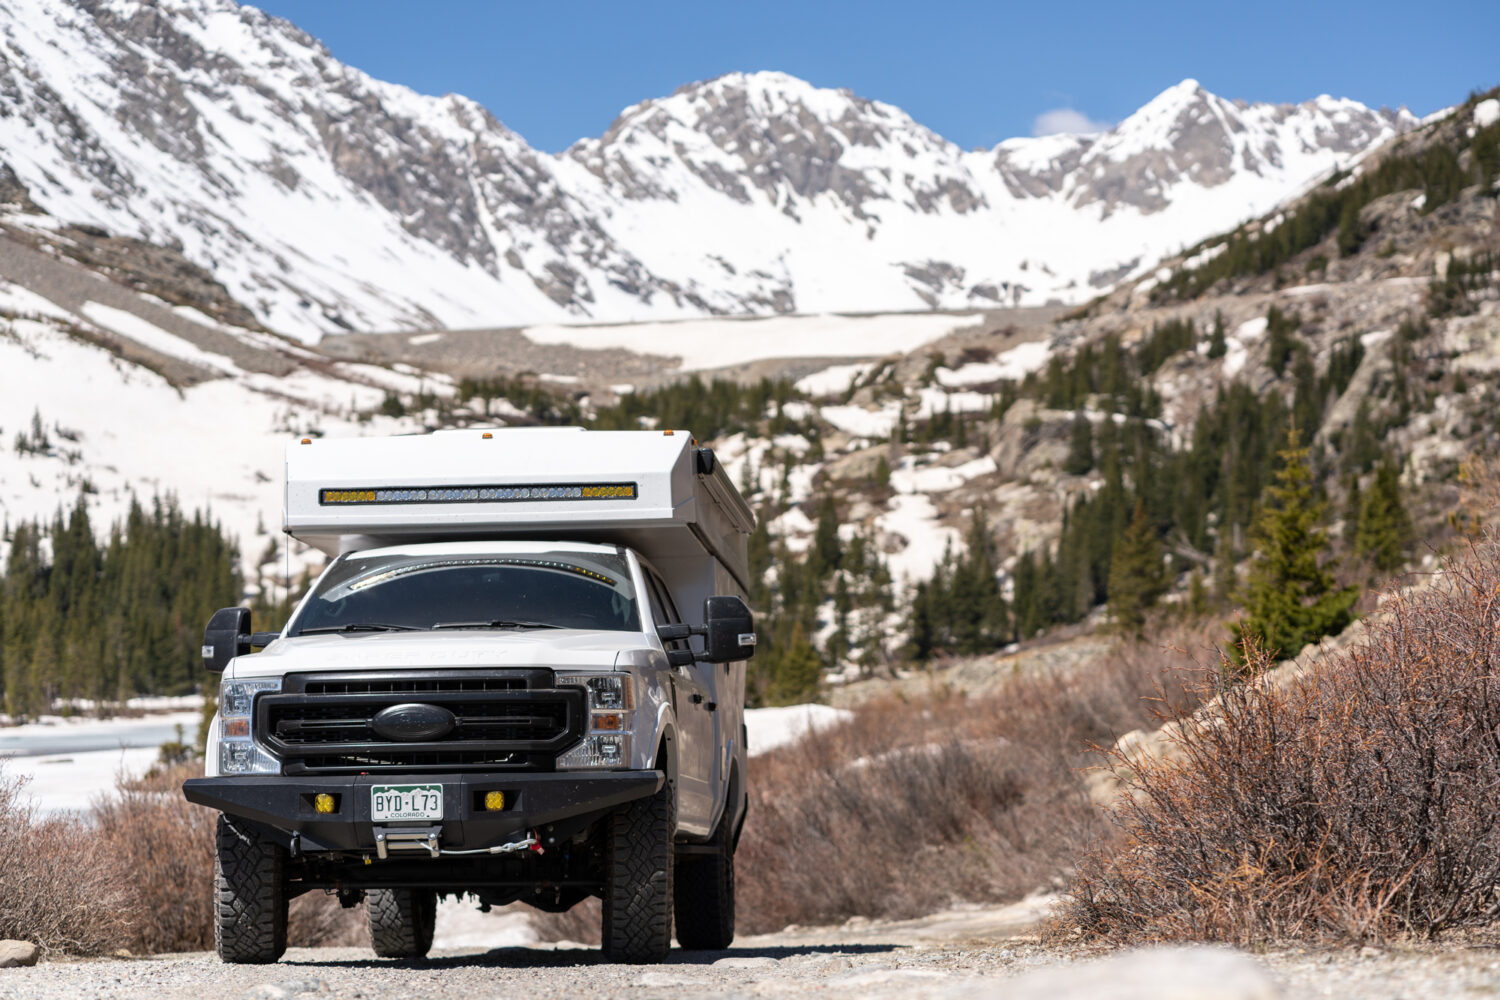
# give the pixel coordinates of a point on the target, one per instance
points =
(497, 623)
(361, 627)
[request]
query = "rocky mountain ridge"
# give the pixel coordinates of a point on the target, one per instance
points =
(324, 199)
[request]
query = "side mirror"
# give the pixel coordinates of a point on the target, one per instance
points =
(227, 636)
(729, 630)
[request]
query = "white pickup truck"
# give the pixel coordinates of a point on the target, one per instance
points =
(493, 690)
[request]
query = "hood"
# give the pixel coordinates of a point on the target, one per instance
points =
(564, 648)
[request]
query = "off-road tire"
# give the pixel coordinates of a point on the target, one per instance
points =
(401, 921)
(250, 903)
(637, 924)
(704, 894)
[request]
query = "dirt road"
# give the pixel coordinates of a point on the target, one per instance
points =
(958, 954)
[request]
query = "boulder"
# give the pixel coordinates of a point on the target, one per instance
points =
(17, 953)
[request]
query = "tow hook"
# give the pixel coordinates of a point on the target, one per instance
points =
(526, 843)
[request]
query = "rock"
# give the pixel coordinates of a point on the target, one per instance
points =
(1198, 973)
(858, 465)
(287, 990)
(746, 962)
(17, 953)
(662, 980)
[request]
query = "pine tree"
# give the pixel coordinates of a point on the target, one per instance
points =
(1291, 598)
(1384, 532)
(1080, 447)
(1218, 346)
(827, 548)
(1351, 233)
(1136, 579)
(1197, 602)
(798, 670)
(1281, 342)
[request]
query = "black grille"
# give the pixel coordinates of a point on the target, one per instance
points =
(322, 723)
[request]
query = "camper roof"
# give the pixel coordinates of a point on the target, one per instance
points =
(655, 491)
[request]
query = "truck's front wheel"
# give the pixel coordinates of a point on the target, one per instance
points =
(250, 903)
(638, 880)
(401, 921)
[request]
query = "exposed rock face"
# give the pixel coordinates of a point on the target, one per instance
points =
(327, 200)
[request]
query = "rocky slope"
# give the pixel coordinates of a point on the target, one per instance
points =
(324, 199)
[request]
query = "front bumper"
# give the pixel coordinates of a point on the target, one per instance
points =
(283, 806)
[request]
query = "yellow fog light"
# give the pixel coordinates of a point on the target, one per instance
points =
(494, 801)
(323, 802)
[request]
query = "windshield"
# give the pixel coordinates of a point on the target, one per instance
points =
(558, 589)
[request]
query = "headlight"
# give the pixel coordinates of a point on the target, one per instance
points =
(611, 720)
(238, 752)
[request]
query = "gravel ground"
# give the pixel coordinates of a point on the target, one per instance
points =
(959, 954)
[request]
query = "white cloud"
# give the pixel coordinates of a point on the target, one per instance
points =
(1067, 120)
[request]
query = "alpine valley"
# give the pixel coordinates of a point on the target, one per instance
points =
(946, 379)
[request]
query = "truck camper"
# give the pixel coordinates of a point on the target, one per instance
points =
(494, 690)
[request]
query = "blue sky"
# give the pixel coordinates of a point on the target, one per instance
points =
(975, 73)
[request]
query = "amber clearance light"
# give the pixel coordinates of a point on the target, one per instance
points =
(478, 494)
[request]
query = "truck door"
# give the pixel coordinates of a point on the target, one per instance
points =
(697, 749)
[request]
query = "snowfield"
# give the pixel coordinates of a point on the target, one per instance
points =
(720, 343)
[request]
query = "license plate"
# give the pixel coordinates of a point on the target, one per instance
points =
(398, 802)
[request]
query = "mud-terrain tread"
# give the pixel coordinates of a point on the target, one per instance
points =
(401, 921)
(250, 903)
(637, 924)
(704, 894)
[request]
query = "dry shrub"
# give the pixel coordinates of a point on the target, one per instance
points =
(1352, 802)
(163, 848)
(59, 888)
(915, 805)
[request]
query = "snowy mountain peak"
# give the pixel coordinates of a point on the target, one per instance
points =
(325, 199)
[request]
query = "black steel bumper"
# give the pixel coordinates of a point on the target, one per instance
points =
(283, 805)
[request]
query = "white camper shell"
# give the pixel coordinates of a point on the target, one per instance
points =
(652, 491)
(442, 746)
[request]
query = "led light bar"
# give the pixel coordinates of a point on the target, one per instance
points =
(478, 494)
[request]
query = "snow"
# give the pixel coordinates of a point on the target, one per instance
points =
(1486, 112)
(939, 478)
(461, 925)
(69, 783)
(663, 219)
(769, 728)
(1204, 256)
(933, 401)
(718, 343)
(833, 380)
(860, 422)
(1014, 365)
(913, 516)
(218, 445)
(150, 335)
(1237, 344)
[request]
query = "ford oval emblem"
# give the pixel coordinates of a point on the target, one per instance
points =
(413, 723)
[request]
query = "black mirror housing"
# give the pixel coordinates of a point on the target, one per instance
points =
(227, 636)
(729, 630)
